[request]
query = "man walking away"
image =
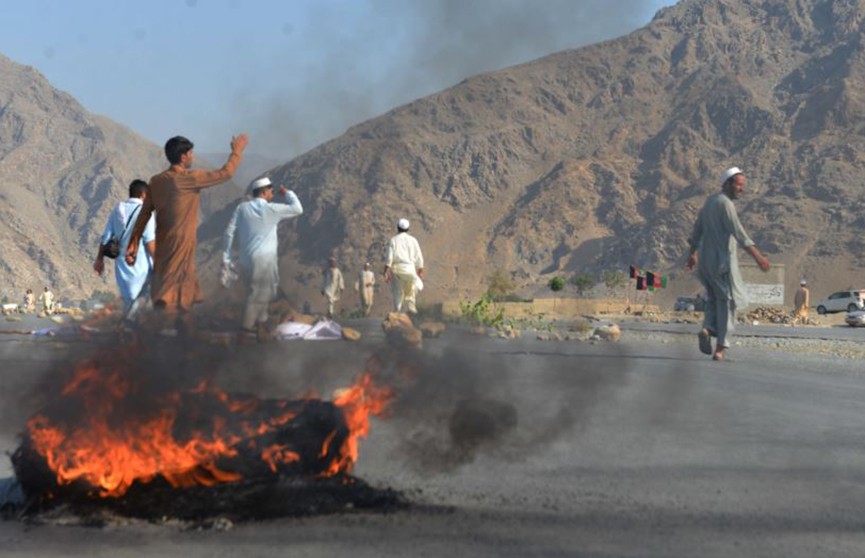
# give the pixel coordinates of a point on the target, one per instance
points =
(802, 301)
(47, 300)
(332, 286)
(366, 287)
(175, 196)
(254, 224)
(403, 268)
(29, 302)
(716, 234)
(131, 279)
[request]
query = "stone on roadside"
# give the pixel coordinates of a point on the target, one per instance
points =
(610, 332)
(350, 334)
(432, 329)
(400, 330)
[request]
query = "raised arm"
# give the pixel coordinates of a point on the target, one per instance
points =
(291, 207)
(201, 179)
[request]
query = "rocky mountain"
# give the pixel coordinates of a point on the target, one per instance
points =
(62, 170)
(600, 157)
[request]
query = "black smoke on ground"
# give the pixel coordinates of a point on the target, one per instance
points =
(473, 399)
(458, 399)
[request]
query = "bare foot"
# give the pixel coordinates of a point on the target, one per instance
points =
(719, 355)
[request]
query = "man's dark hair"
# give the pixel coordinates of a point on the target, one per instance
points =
(259, 192)
(177, 147)
(136, 188)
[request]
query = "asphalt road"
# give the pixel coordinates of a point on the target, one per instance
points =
(628, 449)
(836, 332)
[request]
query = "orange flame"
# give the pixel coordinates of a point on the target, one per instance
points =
(357, 402)
(111, 454)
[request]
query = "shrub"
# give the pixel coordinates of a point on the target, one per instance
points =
(556, 283)
(583, 282)
(499, 286)
(483, 312)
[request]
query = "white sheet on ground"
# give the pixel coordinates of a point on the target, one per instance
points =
(322, 330)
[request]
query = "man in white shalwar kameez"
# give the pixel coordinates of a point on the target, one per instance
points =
(366, 287)
(332, 286)
(715, 237)
(132, 280)
(255, 223)
(403, 268)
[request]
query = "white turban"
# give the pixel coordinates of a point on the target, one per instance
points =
(730, 173)
(260, 183)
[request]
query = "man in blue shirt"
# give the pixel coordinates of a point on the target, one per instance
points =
(132, 279)
(254, 223)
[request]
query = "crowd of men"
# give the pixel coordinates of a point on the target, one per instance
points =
(152, 238)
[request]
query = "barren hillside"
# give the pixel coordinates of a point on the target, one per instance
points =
(62, 170)
(599, 157)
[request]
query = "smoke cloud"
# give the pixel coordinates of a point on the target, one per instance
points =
(405, 50)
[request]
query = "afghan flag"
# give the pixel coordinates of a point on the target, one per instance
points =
(641, 283)
(635, 272)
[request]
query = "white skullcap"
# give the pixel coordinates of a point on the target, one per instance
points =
(260, 183)
(730, 173)
(803, 282)
(403, 224)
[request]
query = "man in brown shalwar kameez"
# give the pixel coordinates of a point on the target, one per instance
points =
(175, 196)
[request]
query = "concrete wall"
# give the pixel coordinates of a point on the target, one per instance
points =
(764, 288)
(558, 307)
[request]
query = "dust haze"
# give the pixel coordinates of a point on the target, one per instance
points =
(406, 50)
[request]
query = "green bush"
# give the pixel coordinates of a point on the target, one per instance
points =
(556, 284)
(483, 312)
(583, 282)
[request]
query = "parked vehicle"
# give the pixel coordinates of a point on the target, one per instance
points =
(689, 304)
(855, 319)
(842, 301)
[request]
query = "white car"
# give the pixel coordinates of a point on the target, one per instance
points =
(855, 319)
(842, 301)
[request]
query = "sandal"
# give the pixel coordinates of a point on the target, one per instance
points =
(705, 342)
(718, 356)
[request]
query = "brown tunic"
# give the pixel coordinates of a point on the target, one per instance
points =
(174, 195)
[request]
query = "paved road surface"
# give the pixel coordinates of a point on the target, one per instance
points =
(839, 332)
(627, 449)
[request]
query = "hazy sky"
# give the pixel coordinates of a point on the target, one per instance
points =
(291, 73)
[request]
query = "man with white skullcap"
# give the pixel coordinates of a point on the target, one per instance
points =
(365, 286)
(403, 268)
(801, 301)
(255, 224)
(332, 285)
(715, 237)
